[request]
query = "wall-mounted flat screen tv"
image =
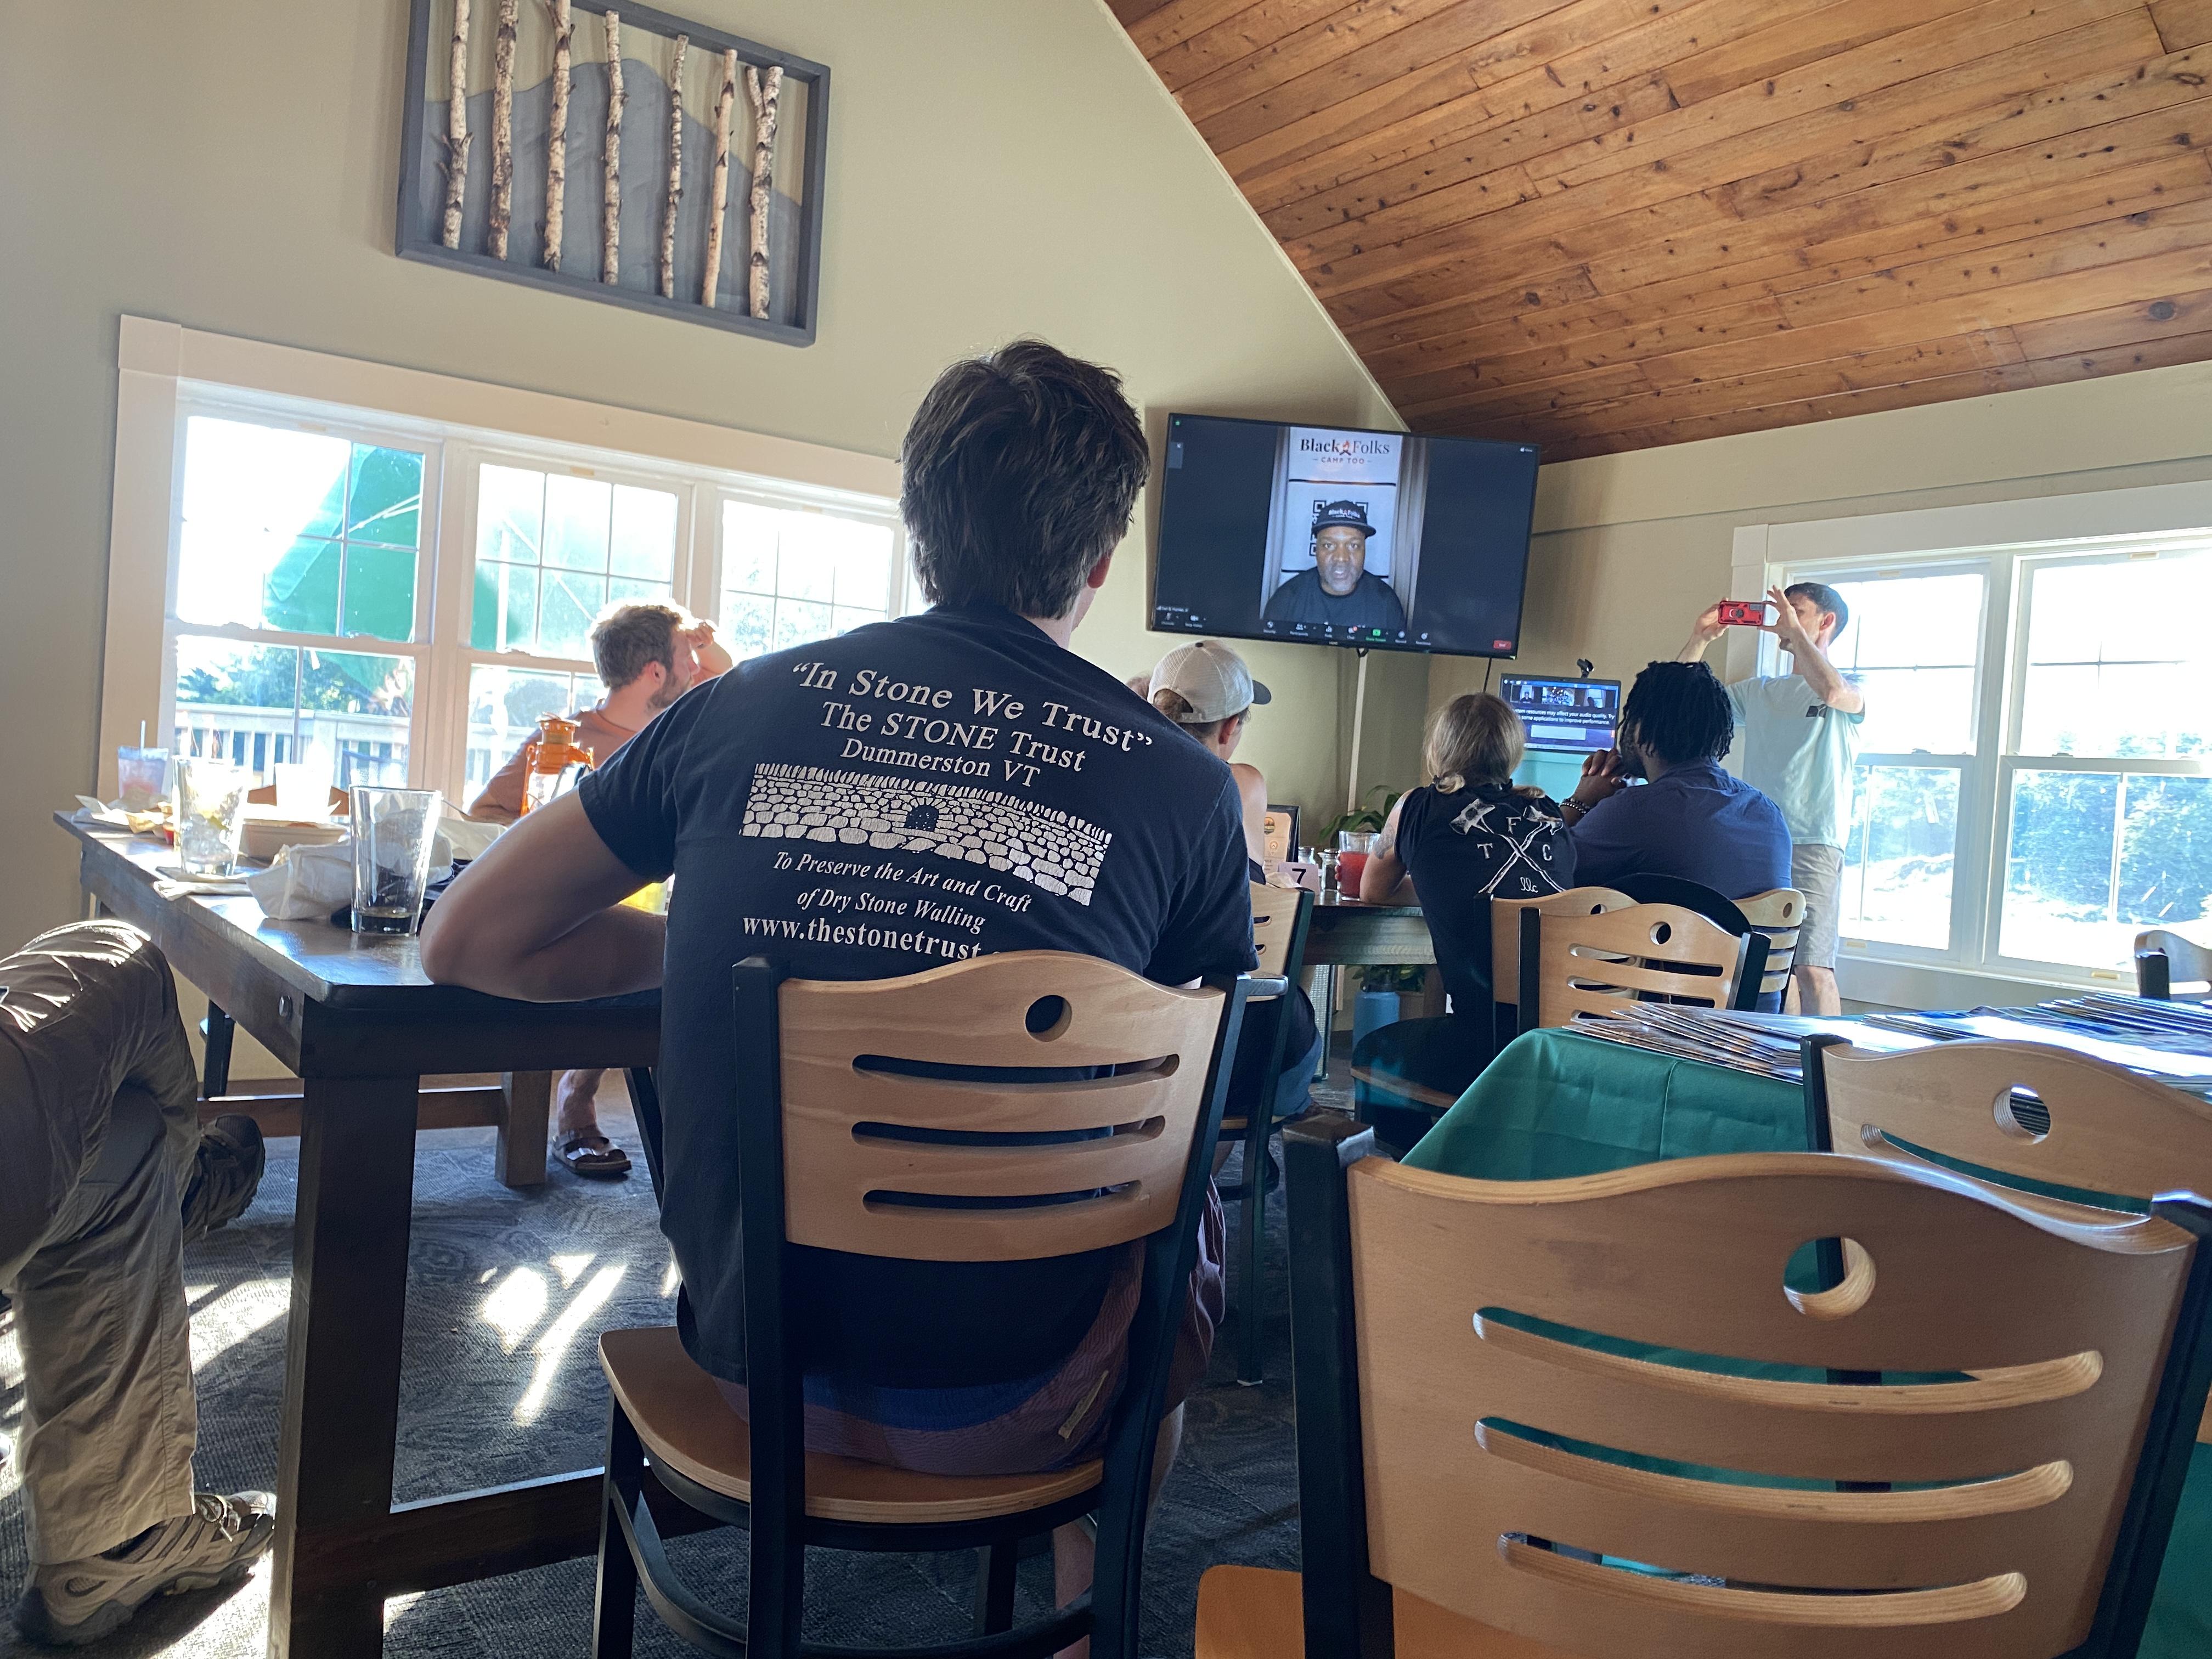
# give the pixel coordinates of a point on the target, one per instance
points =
(1339, 536)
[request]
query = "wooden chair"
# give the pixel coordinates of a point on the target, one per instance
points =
(1505, 945)
(1443, 1440)
(878, 1118)
(1572, 964)
(2017, 1110)
(1281, 917)
(2161, 957)
(1779, 915)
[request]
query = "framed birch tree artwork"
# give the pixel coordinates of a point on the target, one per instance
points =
(617, 153)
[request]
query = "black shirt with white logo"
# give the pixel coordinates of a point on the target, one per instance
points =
(909, 794)
(1480, 843)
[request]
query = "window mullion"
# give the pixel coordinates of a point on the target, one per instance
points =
(363, 645)
(445, 712)
(1977, 892)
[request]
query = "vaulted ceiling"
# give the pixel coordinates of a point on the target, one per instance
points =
(1609, 224)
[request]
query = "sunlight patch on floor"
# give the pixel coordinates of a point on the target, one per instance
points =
(553, 1344)
(514, 1309)
(235, 1314)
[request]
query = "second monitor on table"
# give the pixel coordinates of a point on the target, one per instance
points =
(1571, 717)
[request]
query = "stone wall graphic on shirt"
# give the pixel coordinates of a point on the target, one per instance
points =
(1049, 849)
(1527, 836)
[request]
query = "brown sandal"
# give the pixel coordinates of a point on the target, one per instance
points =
(591, 1155)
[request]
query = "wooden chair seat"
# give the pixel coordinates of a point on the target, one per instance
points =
(688, 1426)
(1255, 1613)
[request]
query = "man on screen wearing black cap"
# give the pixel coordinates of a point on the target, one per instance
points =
(1337, 592)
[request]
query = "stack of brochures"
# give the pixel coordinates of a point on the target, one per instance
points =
(2169, 1041)
(1763, 1044)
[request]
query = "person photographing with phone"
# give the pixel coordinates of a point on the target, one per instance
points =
(1801, 737)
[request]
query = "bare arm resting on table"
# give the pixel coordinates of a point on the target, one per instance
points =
(1383, 876)
(539, 916)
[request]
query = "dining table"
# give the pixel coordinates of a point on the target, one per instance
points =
(360, 1025)
(1350, 933)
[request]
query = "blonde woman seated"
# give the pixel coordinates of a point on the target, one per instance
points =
(1464, 839)
(1206, 690)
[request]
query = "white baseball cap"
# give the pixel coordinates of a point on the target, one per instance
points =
(1211, 678)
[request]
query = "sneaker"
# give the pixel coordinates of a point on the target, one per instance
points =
(225, 1174)
(74, 1602)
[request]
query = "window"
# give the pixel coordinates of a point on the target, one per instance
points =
(2034, 783)
(1913, 645)
(790, 575)
(294, 547)
(402, 601)
(2108, 803)
(554, 550)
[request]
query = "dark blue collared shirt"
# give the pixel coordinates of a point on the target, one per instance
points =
(1698, 823)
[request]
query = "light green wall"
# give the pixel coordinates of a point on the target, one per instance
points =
(996, 167)
(1628, 548)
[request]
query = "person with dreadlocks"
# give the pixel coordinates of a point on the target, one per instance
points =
(1693, 820)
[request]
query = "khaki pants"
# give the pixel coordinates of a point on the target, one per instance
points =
(99, 1119)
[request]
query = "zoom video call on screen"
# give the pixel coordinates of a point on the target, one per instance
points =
(1335, 536)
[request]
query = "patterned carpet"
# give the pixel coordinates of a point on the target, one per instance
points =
(509, 1292)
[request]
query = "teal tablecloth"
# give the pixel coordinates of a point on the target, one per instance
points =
(1554, 1104)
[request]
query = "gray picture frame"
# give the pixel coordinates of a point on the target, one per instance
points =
(803, 266)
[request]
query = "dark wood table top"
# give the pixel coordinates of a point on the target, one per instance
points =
(1346, 903)
(332, 965)
(288, 982)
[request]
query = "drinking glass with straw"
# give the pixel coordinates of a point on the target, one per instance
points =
(141, 774)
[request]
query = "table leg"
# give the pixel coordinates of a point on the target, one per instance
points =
(215, 1073)
(342, 1365)
(521, 1152)
(1325, 1006)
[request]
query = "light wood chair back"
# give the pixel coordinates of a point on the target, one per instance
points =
(1506, 932)
(1476, 1432)
(2165, 959)
(1779, 915)
(2108, 1129)
(871, 1150)
(1274, 912)
(1585, 964)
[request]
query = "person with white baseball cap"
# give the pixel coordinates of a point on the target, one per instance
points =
(1206, 690)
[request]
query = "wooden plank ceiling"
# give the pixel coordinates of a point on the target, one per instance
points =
(1609, 224)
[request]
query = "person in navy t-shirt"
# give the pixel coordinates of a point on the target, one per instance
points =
(1693, 820)
(905, 795)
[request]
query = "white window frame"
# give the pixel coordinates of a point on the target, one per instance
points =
(167, 373)
(354, 426)
(2007, 539)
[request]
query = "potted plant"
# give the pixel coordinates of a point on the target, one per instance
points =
(1366, 819)
(1383, 994)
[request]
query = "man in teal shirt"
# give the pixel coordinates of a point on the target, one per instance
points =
(1801, 735)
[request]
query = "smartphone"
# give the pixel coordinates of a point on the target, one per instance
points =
(1743, 613)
